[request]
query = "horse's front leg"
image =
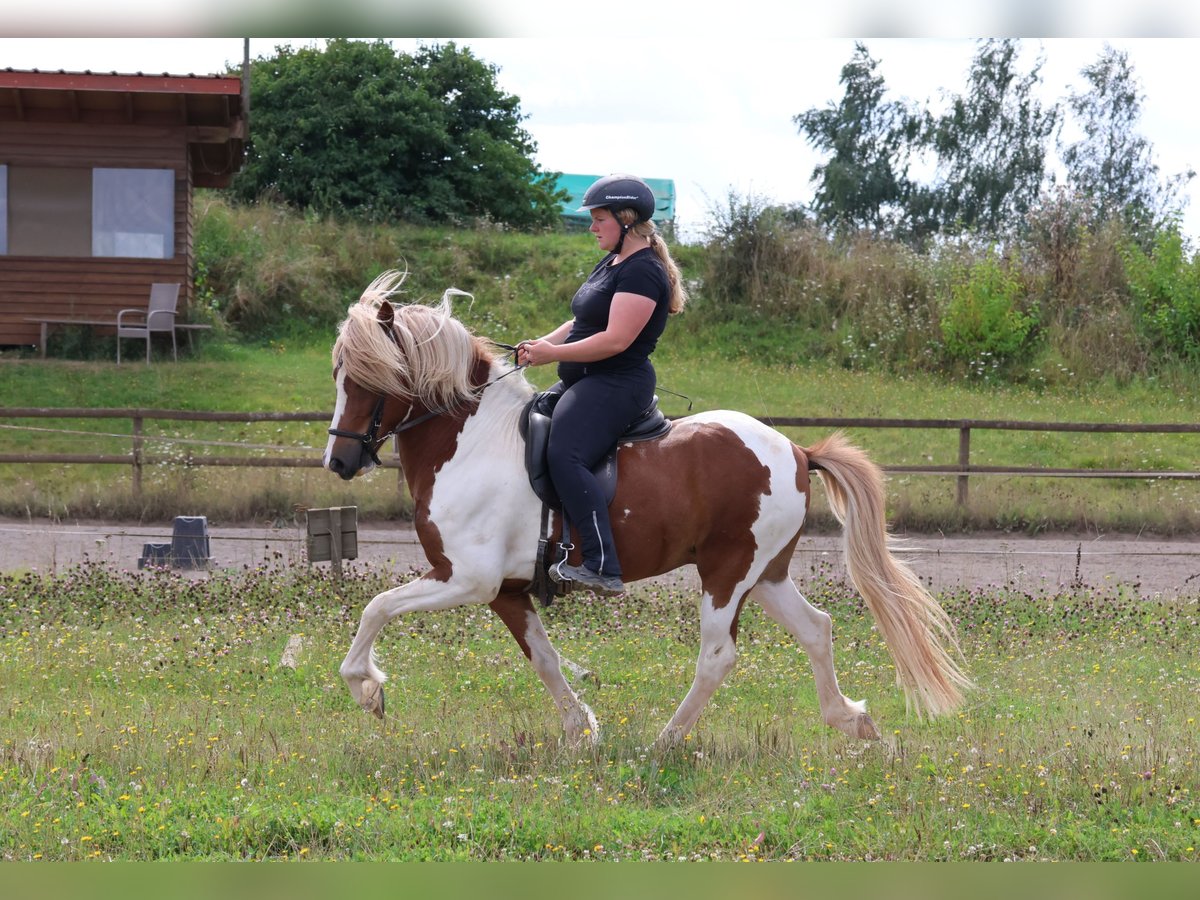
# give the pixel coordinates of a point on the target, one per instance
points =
(718, 654)
(516, 611)
(364, 678)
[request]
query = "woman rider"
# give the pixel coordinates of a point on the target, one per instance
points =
(606, 378)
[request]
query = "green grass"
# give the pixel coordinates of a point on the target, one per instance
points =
(147, 717)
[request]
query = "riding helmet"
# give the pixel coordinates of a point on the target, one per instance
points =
(616, 192)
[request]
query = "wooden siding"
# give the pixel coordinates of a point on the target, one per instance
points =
(89, 287)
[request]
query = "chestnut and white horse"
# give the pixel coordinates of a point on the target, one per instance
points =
(721, 491)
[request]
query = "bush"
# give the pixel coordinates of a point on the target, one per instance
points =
(983, 325)
(1166, 290)
(761, 257)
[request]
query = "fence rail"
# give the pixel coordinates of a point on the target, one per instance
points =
(138, 458)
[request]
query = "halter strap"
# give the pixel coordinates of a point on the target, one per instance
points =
(371, 437)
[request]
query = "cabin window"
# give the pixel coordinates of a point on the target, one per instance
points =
(54, 211)
(3, 209)
(49, 211)
(133, 213)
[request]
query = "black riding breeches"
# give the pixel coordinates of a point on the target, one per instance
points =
(590, 416)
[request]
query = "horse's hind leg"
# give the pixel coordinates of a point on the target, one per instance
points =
(516, 611)
(813, 630)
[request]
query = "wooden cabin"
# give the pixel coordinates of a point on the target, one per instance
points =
(96, 187)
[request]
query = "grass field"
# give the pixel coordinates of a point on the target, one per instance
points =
(148, 717)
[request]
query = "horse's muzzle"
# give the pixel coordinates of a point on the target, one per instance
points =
(344, 469)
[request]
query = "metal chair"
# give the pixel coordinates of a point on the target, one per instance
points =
(157, 317)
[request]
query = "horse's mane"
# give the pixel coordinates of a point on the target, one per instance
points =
(431, 359)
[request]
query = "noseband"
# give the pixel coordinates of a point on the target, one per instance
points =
(371, 438)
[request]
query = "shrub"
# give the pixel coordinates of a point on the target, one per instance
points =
(758, 258)
(983, 324)
(1165, 286)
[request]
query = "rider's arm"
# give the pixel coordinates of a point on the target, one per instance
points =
(627, 316)
(559, 334)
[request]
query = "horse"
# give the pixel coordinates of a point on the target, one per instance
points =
(720, 491)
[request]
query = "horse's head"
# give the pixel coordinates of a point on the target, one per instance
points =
(394, 367)
(362, 416)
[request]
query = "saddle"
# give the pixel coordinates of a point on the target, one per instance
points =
(535, 429)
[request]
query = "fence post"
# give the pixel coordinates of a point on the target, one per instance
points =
(137, 457)
(964, 460)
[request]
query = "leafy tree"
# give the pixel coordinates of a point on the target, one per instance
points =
(990, 145)
(864, 182)
(1112, 165)
(360, 129)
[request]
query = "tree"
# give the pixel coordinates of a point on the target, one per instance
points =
(864, 183)
(1112, 165)
(990, 145)
(362, 130)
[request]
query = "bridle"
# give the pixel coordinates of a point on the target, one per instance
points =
(371, 438)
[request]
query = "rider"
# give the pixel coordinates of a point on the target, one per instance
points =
(606, 378)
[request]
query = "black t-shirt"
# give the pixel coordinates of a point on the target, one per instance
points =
(642, 274)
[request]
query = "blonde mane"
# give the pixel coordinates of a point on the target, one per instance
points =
(431, 358)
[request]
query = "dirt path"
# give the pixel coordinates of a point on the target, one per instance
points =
(1152, 566)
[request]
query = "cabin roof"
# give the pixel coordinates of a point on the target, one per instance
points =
(209, 107)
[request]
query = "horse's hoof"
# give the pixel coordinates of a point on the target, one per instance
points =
(867, 730)
(372, 698)
(668, 741)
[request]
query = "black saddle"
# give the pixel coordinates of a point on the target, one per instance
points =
(535, 429)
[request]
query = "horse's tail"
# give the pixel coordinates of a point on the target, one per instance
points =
(916, 629)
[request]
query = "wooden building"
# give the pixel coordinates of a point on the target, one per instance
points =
(97, 173)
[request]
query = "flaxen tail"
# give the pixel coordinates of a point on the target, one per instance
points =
(919, 634)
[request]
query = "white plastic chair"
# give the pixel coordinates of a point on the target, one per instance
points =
(157, 317)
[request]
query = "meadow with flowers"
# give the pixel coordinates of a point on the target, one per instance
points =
(151, 716)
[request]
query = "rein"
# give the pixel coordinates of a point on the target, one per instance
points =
(371, 438)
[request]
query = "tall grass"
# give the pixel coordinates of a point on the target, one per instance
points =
(273, 273)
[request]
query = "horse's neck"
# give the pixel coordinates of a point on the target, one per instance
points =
(487, 426)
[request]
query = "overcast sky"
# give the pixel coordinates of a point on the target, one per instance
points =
(712, 113)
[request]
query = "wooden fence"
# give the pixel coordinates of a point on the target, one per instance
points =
(962, 470)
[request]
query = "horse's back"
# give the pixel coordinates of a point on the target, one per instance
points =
(718, 476)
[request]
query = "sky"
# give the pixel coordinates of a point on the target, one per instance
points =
(707, 102)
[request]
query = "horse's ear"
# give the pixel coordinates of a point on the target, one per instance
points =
(387, 315)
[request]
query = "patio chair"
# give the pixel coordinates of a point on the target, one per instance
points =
(157, 317)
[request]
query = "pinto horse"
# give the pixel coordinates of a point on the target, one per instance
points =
(720, 490)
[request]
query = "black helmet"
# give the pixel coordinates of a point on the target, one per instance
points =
(616, 192)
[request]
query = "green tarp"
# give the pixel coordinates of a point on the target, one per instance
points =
(576, 185)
